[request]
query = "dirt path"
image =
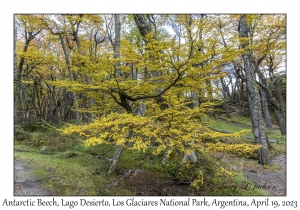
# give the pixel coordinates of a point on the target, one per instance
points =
(272, 182)
(26, 181)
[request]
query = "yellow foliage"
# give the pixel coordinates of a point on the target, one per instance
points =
(199, 181)
(246, 150)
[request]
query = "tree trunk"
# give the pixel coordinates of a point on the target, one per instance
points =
(209, 90)
(225, 96)
(280, 121)
(241, 98)
(253, 94)
(19, 111)
(74, 95)
(282, 107)
(17, 80)
(192, 156)
(33, 101)
(142, 24)
(233, 95)
(116, 46)
(265, 108)
(115, 159)
(264, 84)
(92, 101)
(87, 78)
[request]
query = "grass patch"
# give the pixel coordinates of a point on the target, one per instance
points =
(52, 140)
(240, 119)
(224, 126)
(275, 134)
(71, 173)
(73, 168)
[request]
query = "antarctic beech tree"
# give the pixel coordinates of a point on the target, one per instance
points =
(258, 126)
(174, 126)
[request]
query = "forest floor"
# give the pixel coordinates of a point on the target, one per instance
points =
(274, 181)
(131, 179)
(145, 183)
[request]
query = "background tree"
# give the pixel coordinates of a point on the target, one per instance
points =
(28, 29)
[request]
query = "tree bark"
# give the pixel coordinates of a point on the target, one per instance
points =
(17, 78)
(33, 101)
(282, 106)
(264, 84)
(115, 159)
(253, 94)
(142, 24)
(74, 95)
(88, 79)
(116, 46)
(265, 108)
(225, 96)
(240, 94)
(19, 111)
